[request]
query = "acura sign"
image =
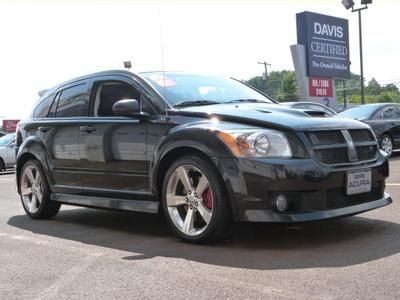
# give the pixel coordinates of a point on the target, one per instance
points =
(326, 40)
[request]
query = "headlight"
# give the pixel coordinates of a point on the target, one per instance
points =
(257, 143)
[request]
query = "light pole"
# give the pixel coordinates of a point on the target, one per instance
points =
(350, 4)
(265, 67)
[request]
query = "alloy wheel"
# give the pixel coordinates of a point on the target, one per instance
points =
(31, 189)
(387, 145)
(190, 200)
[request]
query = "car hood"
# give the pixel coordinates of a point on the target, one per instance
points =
(271, 115)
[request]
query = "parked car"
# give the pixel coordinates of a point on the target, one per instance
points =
(205, 150)
(7, 151)
(312, 108)
(384, 119)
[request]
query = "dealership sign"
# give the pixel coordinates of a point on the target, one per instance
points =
(10, 125)
(320, 87)
(326, 40)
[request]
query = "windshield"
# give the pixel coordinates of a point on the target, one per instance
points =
(6, 139)
(359, 112)
(182, 89)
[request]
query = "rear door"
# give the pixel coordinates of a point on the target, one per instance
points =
(113, 148)
(58, 128)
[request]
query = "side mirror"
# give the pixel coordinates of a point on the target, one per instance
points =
(12, 145)
(127, 107)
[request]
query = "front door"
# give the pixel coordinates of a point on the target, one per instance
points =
(113, 148)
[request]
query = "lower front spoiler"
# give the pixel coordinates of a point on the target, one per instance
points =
(275, 217)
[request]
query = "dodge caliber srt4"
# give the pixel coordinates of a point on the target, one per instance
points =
(205, 150)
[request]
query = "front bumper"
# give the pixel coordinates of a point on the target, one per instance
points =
(270, 216)
(314, 191)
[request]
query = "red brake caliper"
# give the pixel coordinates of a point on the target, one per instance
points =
(208, 198)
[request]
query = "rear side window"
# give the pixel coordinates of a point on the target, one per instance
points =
(73, 102)
(42, 109)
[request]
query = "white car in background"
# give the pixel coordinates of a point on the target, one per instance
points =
(7, 151)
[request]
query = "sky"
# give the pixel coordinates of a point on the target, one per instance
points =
(43, 43)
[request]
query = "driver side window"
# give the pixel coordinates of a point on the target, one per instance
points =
(109, 92)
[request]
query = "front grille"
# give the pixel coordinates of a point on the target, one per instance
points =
(332, 156)
(366, 152)
(326, 137)
(361, 135)
(335, 147)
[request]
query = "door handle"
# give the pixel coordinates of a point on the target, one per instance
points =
(44, 128)
(87, 129)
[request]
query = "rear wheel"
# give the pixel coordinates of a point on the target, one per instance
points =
(194, 200)
(35, 192)
(387, 144)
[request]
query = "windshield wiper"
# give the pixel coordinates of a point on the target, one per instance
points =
(246, 100)
(195, 103)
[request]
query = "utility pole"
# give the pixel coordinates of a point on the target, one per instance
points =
(266, 68)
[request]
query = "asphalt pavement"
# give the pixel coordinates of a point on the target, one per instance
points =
(94, 254)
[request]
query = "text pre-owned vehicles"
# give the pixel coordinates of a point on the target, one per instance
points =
(384, 119)
(7, 151)
(203, 149)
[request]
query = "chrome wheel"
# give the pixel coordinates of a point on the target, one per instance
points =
(31, 189)
(190, 200)
(387, 145)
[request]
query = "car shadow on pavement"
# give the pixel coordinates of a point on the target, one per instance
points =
(334, 243)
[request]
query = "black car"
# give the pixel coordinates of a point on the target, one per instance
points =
(205, 150)
(384, 119)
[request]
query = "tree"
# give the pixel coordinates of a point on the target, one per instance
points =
(373, 88)
(391, 88)
(289, 90)
(274, 84)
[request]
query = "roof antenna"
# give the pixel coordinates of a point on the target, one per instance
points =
(162, 64)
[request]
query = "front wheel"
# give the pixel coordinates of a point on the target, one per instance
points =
(35, 192)
(387, 144)
(194, 200)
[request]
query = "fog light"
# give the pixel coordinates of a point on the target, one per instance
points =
(281, 203)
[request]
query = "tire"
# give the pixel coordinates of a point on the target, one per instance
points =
(387, 144)
(35, 192)
(195, 201)
(2, 165)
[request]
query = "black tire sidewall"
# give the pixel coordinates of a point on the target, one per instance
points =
(221, 205)
(45, 190)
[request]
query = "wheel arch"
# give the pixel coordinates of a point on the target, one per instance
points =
(175, 153)
(33, 148)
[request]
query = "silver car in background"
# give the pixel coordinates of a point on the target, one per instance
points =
(7, 151)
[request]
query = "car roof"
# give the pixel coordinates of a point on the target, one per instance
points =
(46, 92)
